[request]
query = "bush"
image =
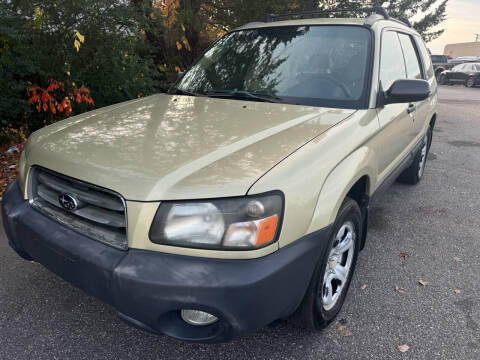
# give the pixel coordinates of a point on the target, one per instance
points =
(99, 46)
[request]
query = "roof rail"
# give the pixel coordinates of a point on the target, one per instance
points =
(247, 25)
(402, 21)
(314, 13)
(405, 21)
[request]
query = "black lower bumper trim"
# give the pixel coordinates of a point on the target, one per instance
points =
(150, 288)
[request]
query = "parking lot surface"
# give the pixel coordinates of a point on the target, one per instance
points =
(435, 226)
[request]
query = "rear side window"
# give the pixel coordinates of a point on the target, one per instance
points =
(426, 58)
(392, 65)
(414, 68)
(438, 58)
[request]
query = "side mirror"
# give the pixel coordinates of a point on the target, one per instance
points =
(407, 91)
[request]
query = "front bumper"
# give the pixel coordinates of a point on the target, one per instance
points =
(148, 288)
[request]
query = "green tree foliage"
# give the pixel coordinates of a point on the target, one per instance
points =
(427, 13)
(39, 42)
(17, 68)
(232, 13)
(424, 15)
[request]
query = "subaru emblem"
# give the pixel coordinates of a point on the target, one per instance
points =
(68, 202)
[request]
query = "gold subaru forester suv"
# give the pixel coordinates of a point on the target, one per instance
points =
(241, 196)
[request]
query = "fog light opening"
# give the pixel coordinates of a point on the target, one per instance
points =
(197, 317)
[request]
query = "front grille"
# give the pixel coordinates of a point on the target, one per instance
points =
(92, 211)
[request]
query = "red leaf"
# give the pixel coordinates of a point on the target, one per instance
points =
(52, 108)
(45, 97)
(68, 109)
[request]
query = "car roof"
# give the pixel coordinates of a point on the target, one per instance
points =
(304, 22)
(366, 22)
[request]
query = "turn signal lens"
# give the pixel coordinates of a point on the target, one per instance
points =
(266, 230)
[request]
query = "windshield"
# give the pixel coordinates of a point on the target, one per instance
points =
(476, 67)
(306, 65)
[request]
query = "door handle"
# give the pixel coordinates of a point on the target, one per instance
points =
(411, 108)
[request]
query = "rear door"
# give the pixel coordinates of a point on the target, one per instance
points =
(395, 121)
(425, 109)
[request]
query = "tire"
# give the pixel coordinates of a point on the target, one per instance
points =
(414, 173)
(470, 83)
(318, 309)
(438, 74)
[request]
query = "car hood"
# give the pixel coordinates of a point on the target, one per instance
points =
(166, 147)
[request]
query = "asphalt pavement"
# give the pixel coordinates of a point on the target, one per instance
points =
(434, 225)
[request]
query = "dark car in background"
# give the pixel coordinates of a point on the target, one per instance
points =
(463, 60)
(467, 74)
(440, 64)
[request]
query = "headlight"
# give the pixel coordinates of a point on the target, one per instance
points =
(233, 223)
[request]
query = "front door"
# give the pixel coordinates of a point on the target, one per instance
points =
(456, 74)
(396, 130)
(421, 109)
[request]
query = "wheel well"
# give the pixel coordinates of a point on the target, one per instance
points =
(432, 121)
(359, 193)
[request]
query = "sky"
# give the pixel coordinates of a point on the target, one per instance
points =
(463, 22)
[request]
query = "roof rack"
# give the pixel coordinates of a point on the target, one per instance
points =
(405, 21)
(313, 13)
(378, 13)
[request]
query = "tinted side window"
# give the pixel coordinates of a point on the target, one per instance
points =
(392, 65)
(427, 60)
(414, 68)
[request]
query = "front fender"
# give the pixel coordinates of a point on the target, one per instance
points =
(339, 182)
(331, 162)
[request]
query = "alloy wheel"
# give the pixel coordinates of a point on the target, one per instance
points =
(339, 264)
(423, 157)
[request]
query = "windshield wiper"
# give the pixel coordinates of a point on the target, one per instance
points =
(177, 91)
(241, 94)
